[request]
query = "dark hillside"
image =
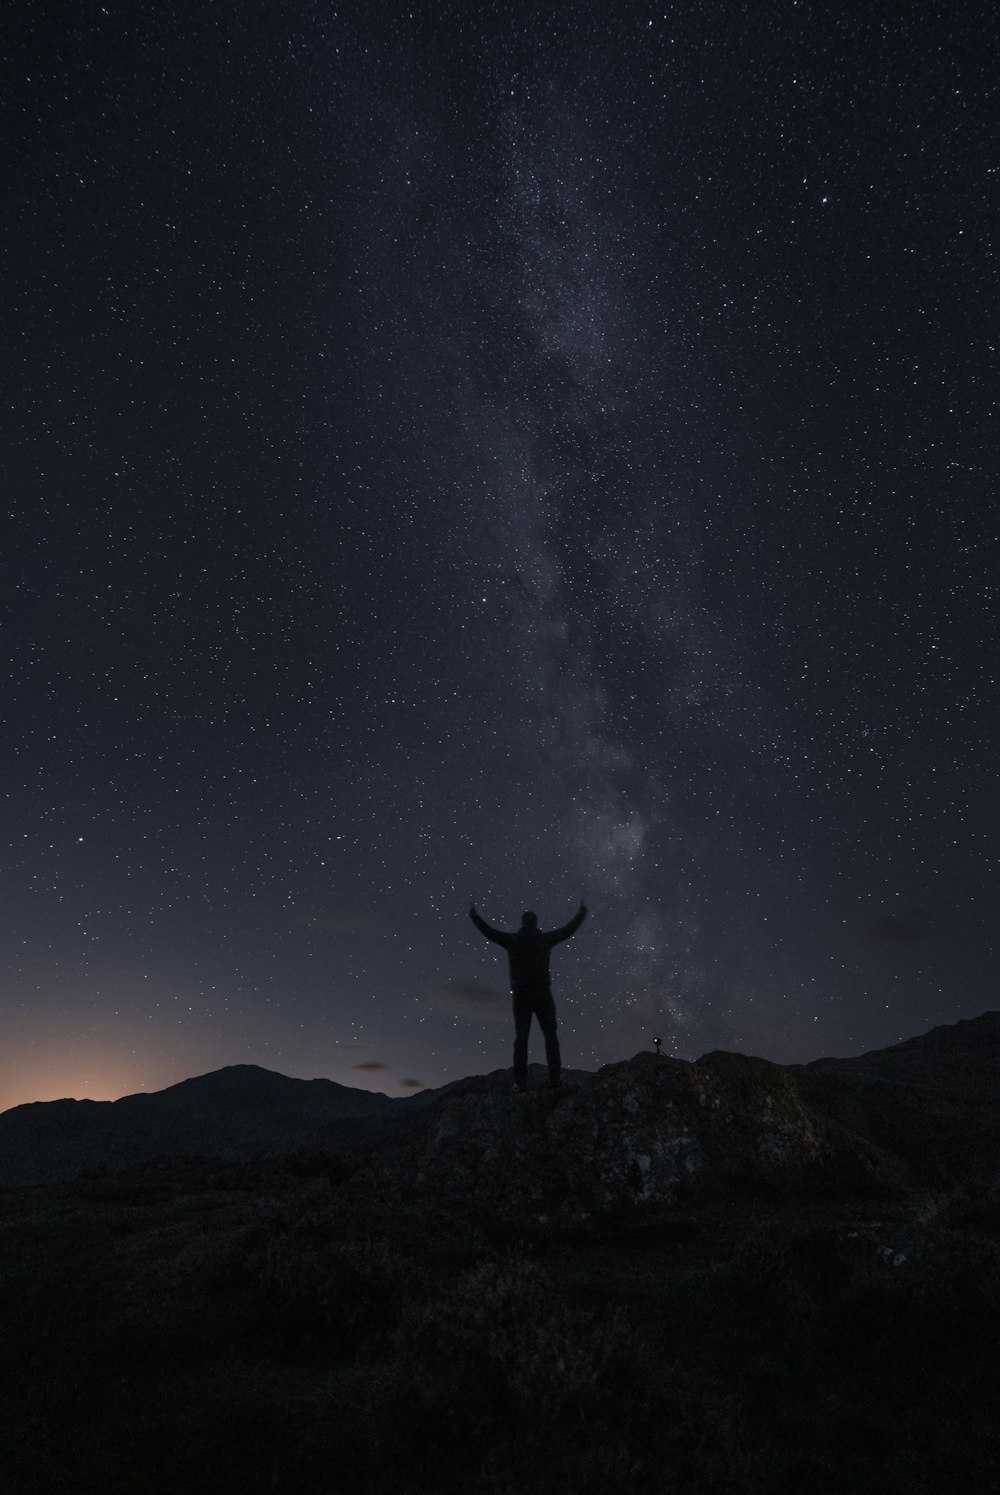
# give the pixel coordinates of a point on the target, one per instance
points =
(933, 1100)
(235, 1112)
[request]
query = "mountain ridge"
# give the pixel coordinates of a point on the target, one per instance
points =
(928, 1103)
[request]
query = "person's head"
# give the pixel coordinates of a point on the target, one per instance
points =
(529, 920)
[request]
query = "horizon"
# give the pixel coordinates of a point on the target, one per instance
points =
(411, 1089)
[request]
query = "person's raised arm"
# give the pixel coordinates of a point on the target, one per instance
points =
(564, 933)
(487, 929)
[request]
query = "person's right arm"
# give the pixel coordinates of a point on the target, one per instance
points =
(487, 929)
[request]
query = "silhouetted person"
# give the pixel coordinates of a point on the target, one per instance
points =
(528, 952)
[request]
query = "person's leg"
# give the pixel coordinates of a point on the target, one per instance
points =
(522, 1024)
(545, 1011)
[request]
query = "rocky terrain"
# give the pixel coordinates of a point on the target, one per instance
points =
(630, 1135)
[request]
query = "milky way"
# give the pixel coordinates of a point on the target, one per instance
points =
(513, 459)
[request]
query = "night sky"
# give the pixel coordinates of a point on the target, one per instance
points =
(513, 453)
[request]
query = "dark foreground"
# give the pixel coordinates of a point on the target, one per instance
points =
(192, 1326)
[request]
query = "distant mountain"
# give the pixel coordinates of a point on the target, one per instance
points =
(958, 1059)
(235, 1112)
(926, 1111)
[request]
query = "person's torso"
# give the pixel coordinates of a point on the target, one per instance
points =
(529, 958)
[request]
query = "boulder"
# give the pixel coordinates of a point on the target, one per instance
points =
(629, 1135)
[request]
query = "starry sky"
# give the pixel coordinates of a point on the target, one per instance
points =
(511, 453)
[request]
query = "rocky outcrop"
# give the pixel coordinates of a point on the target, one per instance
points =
(629, 1135)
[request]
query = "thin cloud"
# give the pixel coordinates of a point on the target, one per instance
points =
(411, 1085)
(471, 999)
(370, 1065)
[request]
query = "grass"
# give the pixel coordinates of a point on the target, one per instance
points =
(195, 1326)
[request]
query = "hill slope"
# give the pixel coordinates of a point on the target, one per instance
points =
(235, 1112)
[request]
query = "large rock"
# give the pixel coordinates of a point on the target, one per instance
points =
(626, 1136)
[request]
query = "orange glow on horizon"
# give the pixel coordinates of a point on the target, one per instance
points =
(92, 1073)
(41, 1077)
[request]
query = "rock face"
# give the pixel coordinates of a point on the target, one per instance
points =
(627, 1136)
